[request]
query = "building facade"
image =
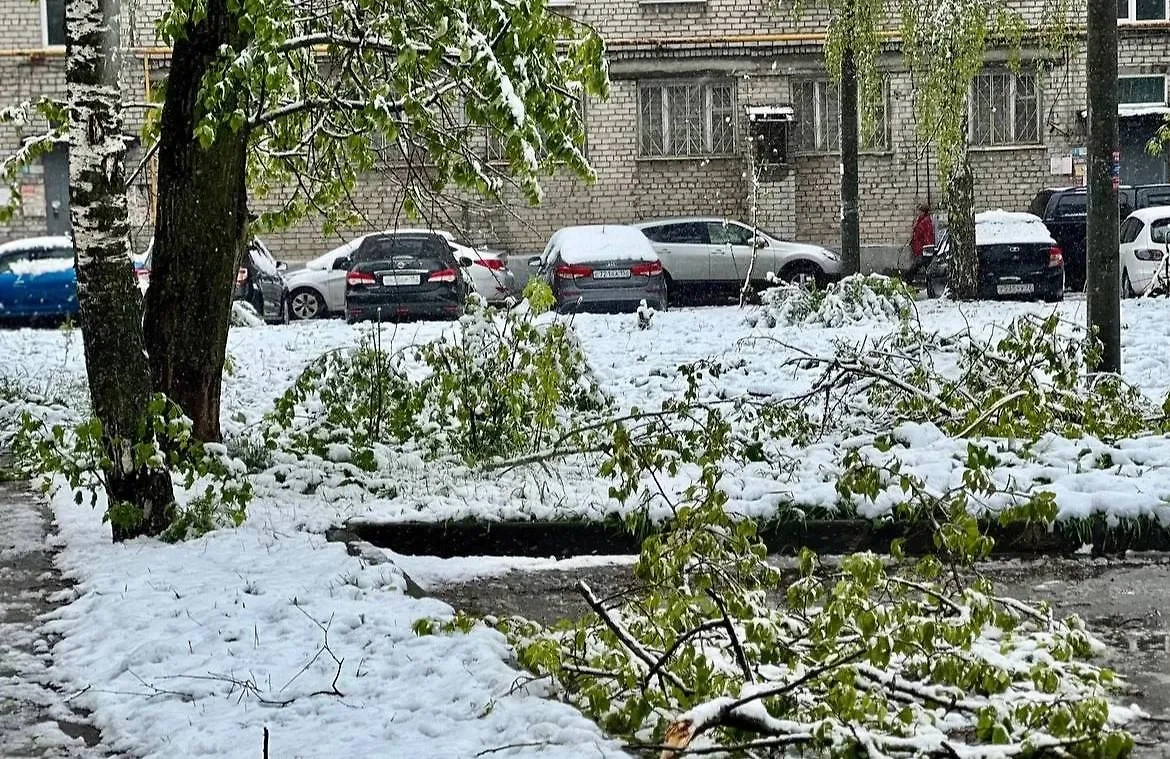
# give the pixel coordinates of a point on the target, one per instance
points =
(718, 107)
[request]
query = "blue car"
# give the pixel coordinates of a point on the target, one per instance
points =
(37, 279)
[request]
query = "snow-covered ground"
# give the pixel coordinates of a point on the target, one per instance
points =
(193, 649)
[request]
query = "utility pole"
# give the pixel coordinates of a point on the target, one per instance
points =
(1102, 289)
(850, 127)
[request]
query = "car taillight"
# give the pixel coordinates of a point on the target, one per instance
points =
(143, 273)
(494, 264)
(442, 275)
(359, 278)
(567, 271)
(649, 269)
(241, 276)
(1055, 257)
(1145, 254)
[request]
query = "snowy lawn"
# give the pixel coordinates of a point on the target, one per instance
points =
(194, 648)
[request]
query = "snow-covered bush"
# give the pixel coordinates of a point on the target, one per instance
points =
(857, 298)
(244, 315)
(500, 385)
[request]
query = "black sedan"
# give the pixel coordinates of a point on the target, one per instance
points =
(405, 276)
(1018, 259)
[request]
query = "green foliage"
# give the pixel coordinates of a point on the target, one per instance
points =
(326, 97)
(501, 385)
(854, 299)
(85, 457)
(50, 120)
(834, 659)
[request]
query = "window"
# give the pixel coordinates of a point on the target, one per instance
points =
(817, 105)
(1141, 10)
(53, 18)
(1141, 90)
(690, 233)
(1072, 204)
(724, 233)
(1005, 110)
(1130, 229)
(686, 119)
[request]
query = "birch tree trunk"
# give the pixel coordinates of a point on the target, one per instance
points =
(110, 303)
(200, 231)
(964, 273)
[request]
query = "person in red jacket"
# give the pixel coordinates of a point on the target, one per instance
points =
(920, 238)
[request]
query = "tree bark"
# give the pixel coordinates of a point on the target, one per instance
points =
(200, 232)
(964, 257)
(110, 304)
(1102, 288)
(850, 182)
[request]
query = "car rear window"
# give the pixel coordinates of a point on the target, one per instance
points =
(1072, 204)
(386, 248)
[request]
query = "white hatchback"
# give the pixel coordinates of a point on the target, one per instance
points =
(712, 253)
(1145, 245)
(319, 289)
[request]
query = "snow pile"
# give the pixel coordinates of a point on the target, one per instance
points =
(244, 315)
(855, 299)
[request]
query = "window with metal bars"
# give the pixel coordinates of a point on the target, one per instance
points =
(817, 109)
(686, 118)
(1005, 109)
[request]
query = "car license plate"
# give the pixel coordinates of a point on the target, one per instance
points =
(400, 280)
(1020, 289)
(611, 274)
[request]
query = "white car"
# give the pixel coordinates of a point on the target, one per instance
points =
(714, 253)
(1145, 243)
(319, 289)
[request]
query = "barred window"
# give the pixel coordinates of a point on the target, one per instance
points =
(686, 119)
(817, 104)
(1005, 109)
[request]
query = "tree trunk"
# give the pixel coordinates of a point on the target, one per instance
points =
(1102, 288)
(850, 190)
(964, 258)
(111, 306)
(200, 232)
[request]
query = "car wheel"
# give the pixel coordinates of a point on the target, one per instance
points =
(803, 273)
(307, 304)
(1126, 285)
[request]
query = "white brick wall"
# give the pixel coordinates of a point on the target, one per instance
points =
(755, 42)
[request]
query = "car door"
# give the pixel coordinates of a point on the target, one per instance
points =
(13, 287)
(684, 249)
(53, 292)
(265, 270)
(731, 253)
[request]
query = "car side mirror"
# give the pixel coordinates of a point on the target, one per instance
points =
(760, 242)
(929, 251)
(341, 264)
(536, 262)
(281, 266)
(465, 261)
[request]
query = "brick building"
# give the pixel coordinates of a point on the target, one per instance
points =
(693, 82)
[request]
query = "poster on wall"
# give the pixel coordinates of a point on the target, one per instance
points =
(1079, 161)
(32, 200)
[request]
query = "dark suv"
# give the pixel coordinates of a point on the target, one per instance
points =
(1065, 209)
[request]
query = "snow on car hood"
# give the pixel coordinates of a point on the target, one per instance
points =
(1002, 227)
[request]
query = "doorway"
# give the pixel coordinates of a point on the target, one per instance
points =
(56, 173)
(1137, 165)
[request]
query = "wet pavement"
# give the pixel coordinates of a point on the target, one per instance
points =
(36, 719)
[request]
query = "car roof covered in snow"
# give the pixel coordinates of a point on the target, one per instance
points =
(1001, 227)
(1151, 214)
(602, 242)
(37, 243)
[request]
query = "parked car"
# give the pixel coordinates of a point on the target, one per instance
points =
(1065, 213)
(402, 276)
(714, 255)
(319, 289)
(260, 281)
(605, 268)
(1145, 242)
(1017, 259)
(37, 279)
